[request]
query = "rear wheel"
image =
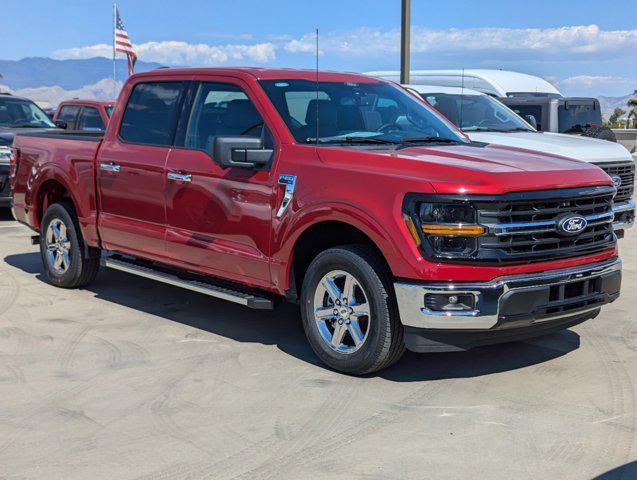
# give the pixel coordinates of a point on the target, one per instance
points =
(67, 263)
(349, 311)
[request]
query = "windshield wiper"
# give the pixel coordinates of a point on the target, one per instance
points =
(408, 140)
(361, 140)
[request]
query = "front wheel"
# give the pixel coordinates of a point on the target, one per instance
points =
(67, 263)
(349, 311)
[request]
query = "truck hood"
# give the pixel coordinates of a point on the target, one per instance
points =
(586, 149)
(7, 134)
(469, 169)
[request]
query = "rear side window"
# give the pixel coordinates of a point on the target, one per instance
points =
(68, 114)
(90, 120)
(533, 110)
(151, 113)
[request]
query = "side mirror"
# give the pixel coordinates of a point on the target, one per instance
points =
(239, 151)
(531, 120)
(61, 124)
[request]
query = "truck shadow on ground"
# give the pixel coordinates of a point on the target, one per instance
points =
(625, 472)
(282, 327)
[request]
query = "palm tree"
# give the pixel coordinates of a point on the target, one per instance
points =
(632, 110)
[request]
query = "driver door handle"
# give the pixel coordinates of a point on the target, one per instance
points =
(179, 177)
(110, 167)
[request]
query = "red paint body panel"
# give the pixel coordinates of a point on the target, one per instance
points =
(223, 223)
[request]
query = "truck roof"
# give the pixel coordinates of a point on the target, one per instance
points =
(92, 102)
(447, 90)
(500, 83)
(263, 74)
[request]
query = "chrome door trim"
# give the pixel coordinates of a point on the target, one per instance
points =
(289, 183)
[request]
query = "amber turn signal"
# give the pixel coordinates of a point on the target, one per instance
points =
(412, 229)
(458, 230)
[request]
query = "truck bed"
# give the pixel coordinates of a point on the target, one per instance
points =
(65, 159)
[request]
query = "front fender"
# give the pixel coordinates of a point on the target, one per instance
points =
(390, 236)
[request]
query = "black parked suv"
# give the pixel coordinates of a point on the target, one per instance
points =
(577, 116)
(17, 115)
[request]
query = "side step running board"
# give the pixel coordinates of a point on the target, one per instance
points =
(223, 293)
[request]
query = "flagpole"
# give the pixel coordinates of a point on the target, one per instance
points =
(114, 78)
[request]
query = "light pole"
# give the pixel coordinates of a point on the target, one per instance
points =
(405, 24)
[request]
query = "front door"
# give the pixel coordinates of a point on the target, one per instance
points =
(218, 220)
(131, 171)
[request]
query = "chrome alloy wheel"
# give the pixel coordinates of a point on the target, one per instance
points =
(342, 312)
(58, 247)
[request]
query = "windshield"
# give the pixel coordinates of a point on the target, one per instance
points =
(349, 112)
(19, 113)
(109, 110)
(574, 118)
(476, 113)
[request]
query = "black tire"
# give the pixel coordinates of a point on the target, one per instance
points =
(603, 133)
(384, 342)
(84, 263)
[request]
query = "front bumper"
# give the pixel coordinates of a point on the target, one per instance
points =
(5, 188)
(523, 303)
(624, 215)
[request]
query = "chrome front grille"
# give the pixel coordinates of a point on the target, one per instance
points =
(526, 229)
(626, 171)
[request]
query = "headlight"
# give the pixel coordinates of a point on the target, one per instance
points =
(446, 230)
(5, 155)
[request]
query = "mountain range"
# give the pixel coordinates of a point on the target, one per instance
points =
(609, 104)
(36, 72)
(49, 80)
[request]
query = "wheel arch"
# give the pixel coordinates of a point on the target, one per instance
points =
(340, 227)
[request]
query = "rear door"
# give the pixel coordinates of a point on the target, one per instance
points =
(90, 120)
(131, 170)
(218, 220)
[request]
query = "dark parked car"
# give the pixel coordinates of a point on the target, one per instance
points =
(17, 115)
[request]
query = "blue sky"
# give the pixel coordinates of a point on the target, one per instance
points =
(586, 48)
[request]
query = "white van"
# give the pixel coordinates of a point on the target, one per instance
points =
(484, 119)
(497, 83)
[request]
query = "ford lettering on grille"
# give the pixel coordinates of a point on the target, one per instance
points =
(572, 225)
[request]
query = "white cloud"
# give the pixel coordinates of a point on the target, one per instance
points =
(181, 53)
(568, 40)
(597, 84)
(51, 96)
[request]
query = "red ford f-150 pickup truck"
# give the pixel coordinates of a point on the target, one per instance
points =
(83, 115)
(339, 191)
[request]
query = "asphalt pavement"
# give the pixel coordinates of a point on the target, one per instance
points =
(131, 379)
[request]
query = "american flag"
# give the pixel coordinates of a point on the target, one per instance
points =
(122, 42)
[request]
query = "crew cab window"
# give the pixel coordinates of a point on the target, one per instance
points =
(68, 114)
(151, 113)
(90, 120)
(221, 109)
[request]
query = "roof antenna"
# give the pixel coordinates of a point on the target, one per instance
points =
(461, 99)
(317, 86)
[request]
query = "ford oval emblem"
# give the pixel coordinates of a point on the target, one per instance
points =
(571, 225)
(617, 180)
